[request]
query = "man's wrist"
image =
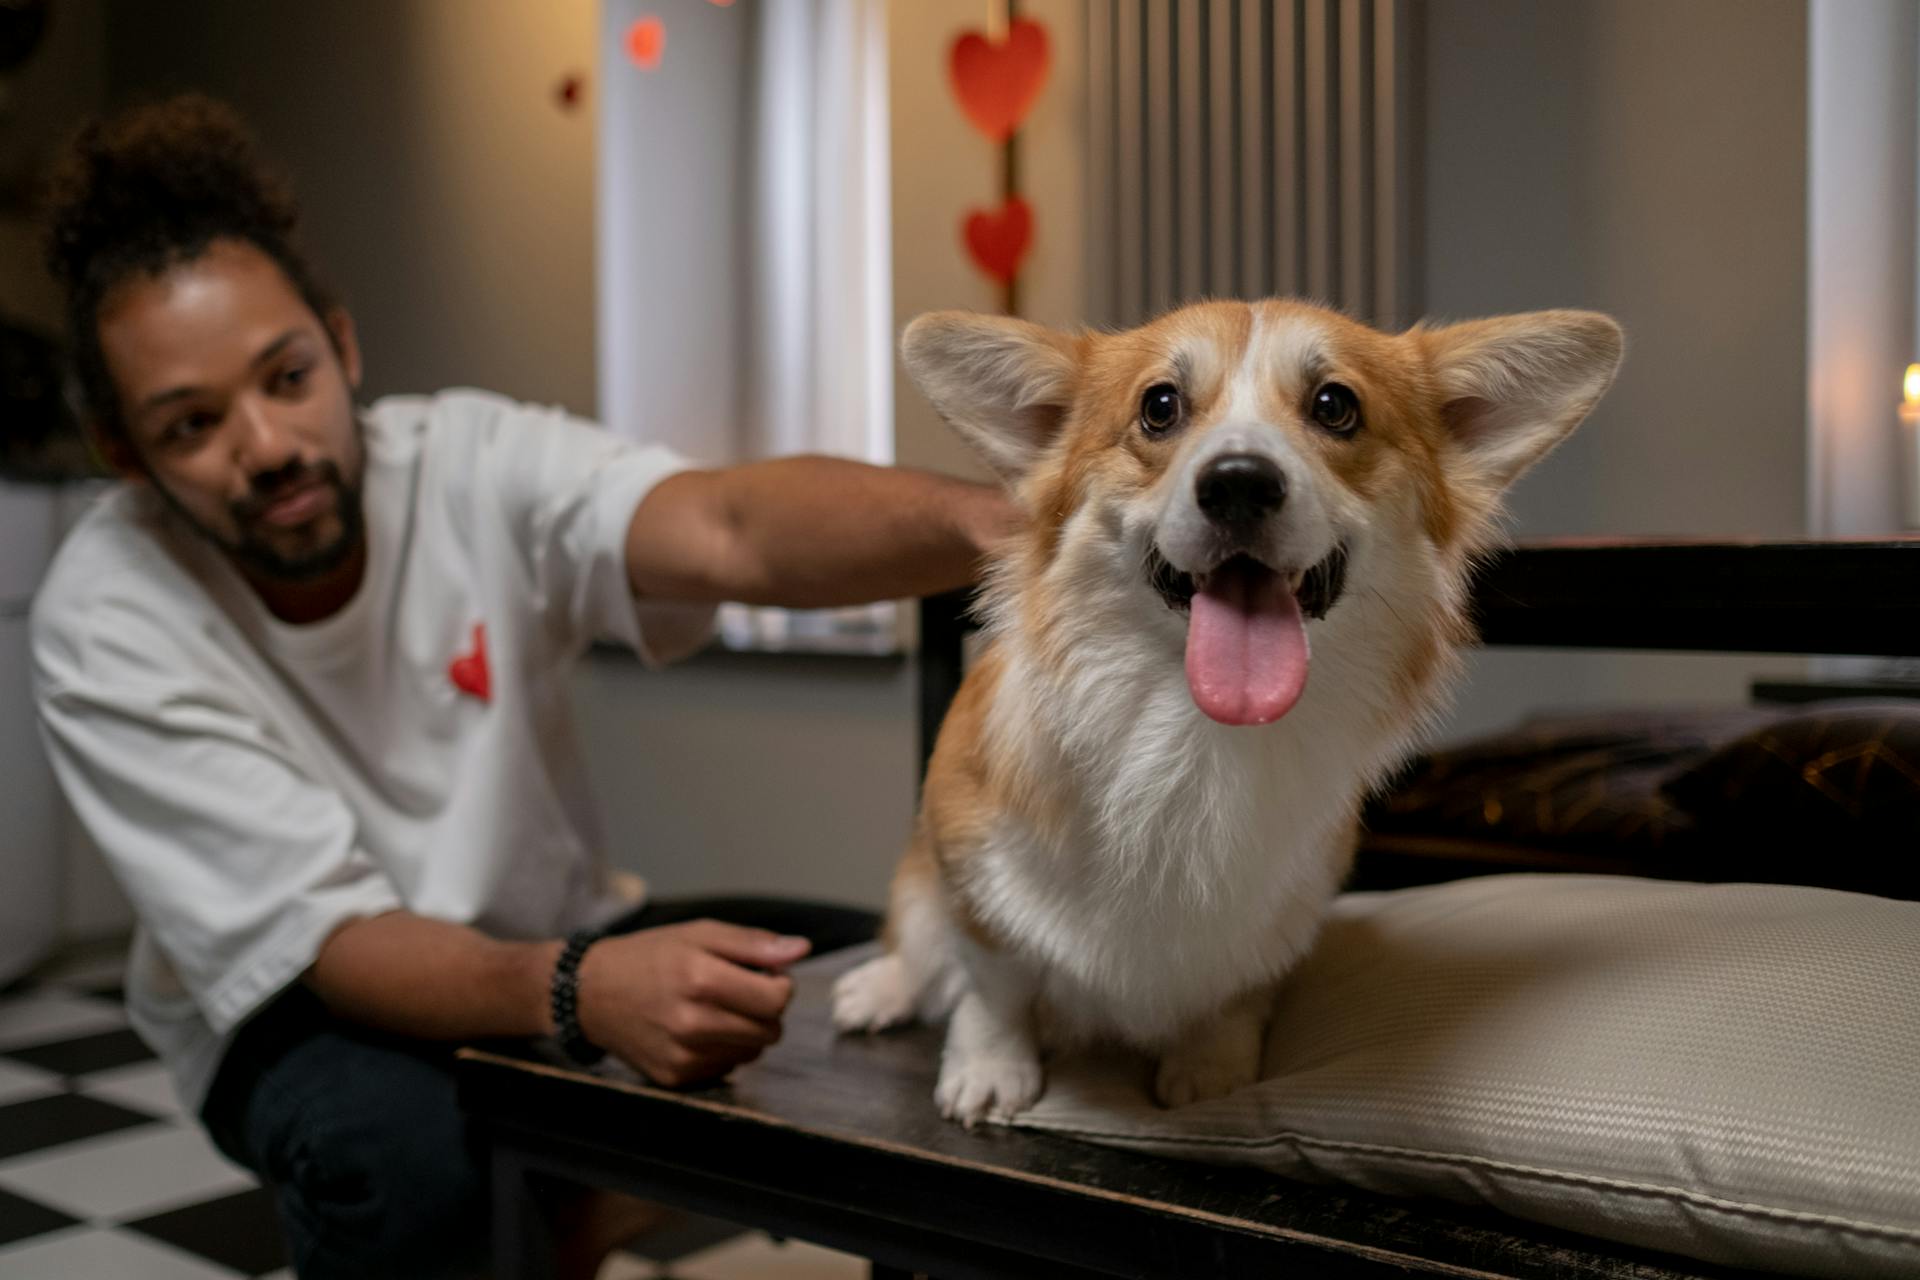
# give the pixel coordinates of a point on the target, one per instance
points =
(564, 999)
(532, 978)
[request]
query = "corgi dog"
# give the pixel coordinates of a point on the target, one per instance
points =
(1236, 601)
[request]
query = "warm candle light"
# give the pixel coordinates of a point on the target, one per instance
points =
(1910, 447)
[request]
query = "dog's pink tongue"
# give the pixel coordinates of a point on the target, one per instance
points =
(1246, 646)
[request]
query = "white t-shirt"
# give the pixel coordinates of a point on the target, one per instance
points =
(253, 785)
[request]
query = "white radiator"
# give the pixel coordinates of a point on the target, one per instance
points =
(1243, 148)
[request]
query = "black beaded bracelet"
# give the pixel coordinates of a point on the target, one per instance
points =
(563, 999)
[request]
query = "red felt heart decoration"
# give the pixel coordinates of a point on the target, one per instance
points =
(998, 239)
(997, 82)
(646, 42)
(469, 671)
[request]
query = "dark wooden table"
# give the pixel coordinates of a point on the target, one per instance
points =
(836, 1141)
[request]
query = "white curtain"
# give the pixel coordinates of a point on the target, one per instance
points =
(819, 306)
(745, 304)
(745, 242)
(818, 285)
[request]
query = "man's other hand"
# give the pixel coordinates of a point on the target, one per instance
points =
(687, 1002)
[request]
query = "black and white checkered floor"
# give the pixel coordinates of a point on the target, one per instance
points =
(103, 1177)
(100, 1173)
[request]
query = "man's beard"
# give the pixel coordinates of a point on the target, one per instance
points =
(256, 553)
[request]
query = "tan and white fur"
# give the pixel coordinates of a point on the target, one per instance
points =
(1097, 859)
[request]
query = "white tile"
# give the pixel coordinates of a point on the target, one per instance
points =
(144, 1086)
(126, 1176)
(100, 1254)
(19, 1082)
(44, 1017)
(755, 1257)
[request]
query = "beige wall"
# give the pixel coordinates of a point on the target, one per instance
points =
(1646, 158)
(942, 168)
(45, 858)
(1649, 159)
(447, 197)
(45, 100)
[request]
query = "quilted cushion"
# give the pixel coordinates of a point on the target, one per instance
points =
(1573, 782)
(1723, 1071)
(1839, 783)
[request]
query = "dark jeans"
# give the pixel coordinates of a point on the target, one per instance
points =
(359, 1134)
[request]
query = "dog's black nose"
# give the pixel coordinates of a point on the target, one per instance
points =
(1239, 488)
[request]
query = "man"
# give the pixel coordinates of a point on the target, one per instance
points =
(303, 677)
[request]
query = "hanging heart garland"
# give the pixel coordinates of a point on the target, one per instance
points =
(998, 81)
(647, 42)
(997, 239)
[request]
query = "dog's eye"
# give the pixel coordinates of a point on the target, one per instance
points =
(1160, 408)
(1336, 408)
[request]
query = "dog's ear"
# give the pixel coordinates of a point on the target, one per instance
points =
(1005, 385)
(1513, 387)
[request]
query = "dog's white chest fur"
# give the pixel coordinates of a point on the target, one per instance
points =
(1149, 874)
(1194, 861)
(1143, 962)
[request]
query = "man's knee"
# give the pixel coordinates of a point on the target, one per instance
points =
(372, 1163)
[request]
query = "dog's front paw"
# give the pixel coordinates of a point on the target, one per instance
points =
(1188, 1077)
(873, 997)
(996, 1087)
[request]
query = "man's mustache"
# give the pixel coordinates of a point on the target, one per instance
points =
(269, 487)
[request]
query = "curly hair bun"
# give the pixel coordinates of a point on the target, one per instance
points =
(151, 188)
(156, 184)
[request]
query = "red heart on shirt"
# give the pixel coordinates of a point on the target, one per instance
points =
(469, 671)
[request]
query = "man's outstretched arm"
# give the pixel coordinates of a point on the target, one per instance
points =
(811, 532)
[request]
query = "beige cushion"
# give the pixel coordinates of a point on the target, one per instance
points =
(1727, 1071)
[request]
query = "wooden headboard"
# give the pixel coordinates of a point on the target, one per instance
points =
(1838, 596)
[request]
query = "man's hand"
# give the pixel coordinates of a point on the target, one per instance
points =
(687, 1002)
(682, 1002)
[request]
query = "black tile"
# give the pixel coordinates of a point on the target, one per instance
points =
(239, 1231)
(20, 1218)
(99, 1052)
(66, 1117)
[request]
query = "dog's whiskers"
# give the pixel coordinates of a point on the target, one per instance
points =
(1376, 593)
